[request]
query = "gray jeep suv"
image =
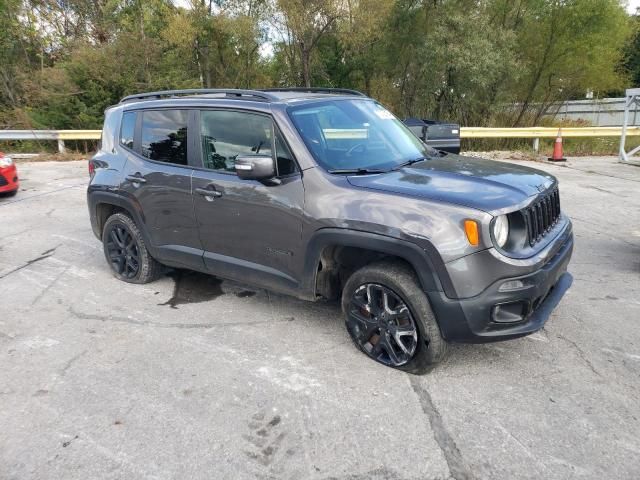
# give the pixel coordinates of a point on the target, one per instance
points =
(324, 193)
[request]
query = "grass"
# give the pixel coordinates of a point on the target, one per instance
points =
(572, 147)
(47, 146)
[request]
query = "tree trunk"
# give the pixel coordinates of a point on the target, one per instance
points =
(6, 86)
(305, 56)
(538, 74)
(200, 70)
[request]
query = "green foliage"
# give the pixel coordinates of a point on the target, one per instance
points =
(567, 48)
(494, 62)
(632, 53)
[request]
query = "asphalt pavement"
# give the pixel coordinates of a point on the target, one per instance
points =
(191, 377)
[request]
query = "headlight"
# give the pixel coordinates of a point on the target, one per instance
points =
(501, 230)
(5, 161)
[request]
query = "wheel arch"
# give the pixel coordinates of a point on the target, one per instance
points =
(329, 248)
(104, 204)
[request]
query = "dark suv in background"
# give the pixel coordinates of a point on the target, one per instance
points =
(324, 193)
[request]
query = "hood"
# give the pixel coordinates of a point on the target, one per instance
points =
(473, 182)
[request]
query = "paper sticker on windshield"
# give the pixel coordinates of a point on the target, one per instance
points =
(384, 114)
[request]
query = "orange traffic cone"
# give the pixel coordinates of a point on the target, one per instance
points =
(557, 149)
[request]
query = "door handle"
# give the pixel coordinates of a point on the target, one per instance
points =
(136, 178)
(208, 193)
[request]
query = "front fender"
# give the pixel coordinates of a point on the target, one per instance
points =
(424, 259)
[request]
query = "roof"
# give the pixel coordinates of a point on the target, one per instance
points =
(267, 95)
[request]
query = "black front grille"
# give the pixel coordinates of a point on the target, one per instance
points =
(3, 181)
(542, 215)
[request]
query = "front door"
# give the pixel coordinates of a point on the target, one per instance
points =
(158, 178)
(250, 230)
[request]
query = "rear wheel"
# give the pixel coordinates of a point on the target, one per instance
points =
(389, 318)
(126, 252)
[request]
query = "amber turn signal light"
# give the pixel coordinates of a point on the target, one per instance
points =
(471, 229)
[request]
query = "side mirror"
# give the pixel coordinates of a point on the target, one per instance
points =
(255, 167)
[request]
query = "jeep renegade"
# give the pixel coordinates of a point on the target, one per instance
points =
(324, 193)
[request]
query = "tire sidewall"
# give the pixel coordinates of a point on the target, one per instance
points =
(129, 224)
(431, 346)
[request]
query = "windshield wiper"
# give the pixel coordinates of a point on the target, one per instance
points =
(409, 162)
(357, 171)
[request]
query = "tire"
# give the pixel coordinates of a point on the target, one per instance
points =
(420, 352)
(126, 252)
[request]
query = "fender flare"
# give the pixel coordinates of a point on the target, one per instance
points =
(96, 197)
(424, 259)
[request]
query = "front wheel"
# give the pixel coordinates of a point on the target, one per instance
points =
(389, 318)
(126, 251)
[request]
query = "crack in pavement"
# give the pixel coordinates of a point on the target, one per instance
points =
(55, 280)
(43, 255)
(603, 190)
(592, 172)
(149, 323)
(16, 234)
(457, 467)
(605, 232)
(23, 199)
(580, 352)
(51, 284)
(70, 362)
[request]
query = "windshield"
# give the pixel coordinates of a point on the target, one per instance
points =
(356, 134)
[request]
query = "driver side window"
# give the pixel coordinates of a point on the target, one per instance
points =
(227, 134)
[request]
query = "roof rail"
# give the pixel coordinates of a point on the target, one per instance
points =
(344, 91)
(229, 92)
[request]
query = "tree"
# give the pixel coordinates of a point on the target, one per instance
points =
(489, 62)
(302, 23)
(632, 54)
(567, 47)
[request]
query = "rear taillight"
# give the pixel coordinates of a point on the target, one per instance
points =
(92, 168)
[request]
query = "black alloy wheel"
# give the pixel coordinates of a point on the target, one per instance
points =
(382, 325)
(123, 251)
(126, 251)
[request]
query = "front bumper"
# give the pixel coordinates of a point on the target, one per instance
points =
(9, 179)
(474, 320)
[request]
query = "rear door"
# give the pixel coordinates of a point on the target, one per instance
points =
(250, 230)
(158, 180)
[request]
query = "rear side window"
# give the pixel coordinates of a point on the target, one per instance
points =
(227, 134)
(164, 136)
(127, 129)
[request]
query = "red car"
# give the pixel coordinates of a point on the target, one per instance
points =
(8, 175)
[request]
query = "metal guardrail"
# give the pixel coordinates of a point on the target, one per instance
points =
(545, 132)
(59, 135)
(50, 134)
(535, 133)
(632, 98)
